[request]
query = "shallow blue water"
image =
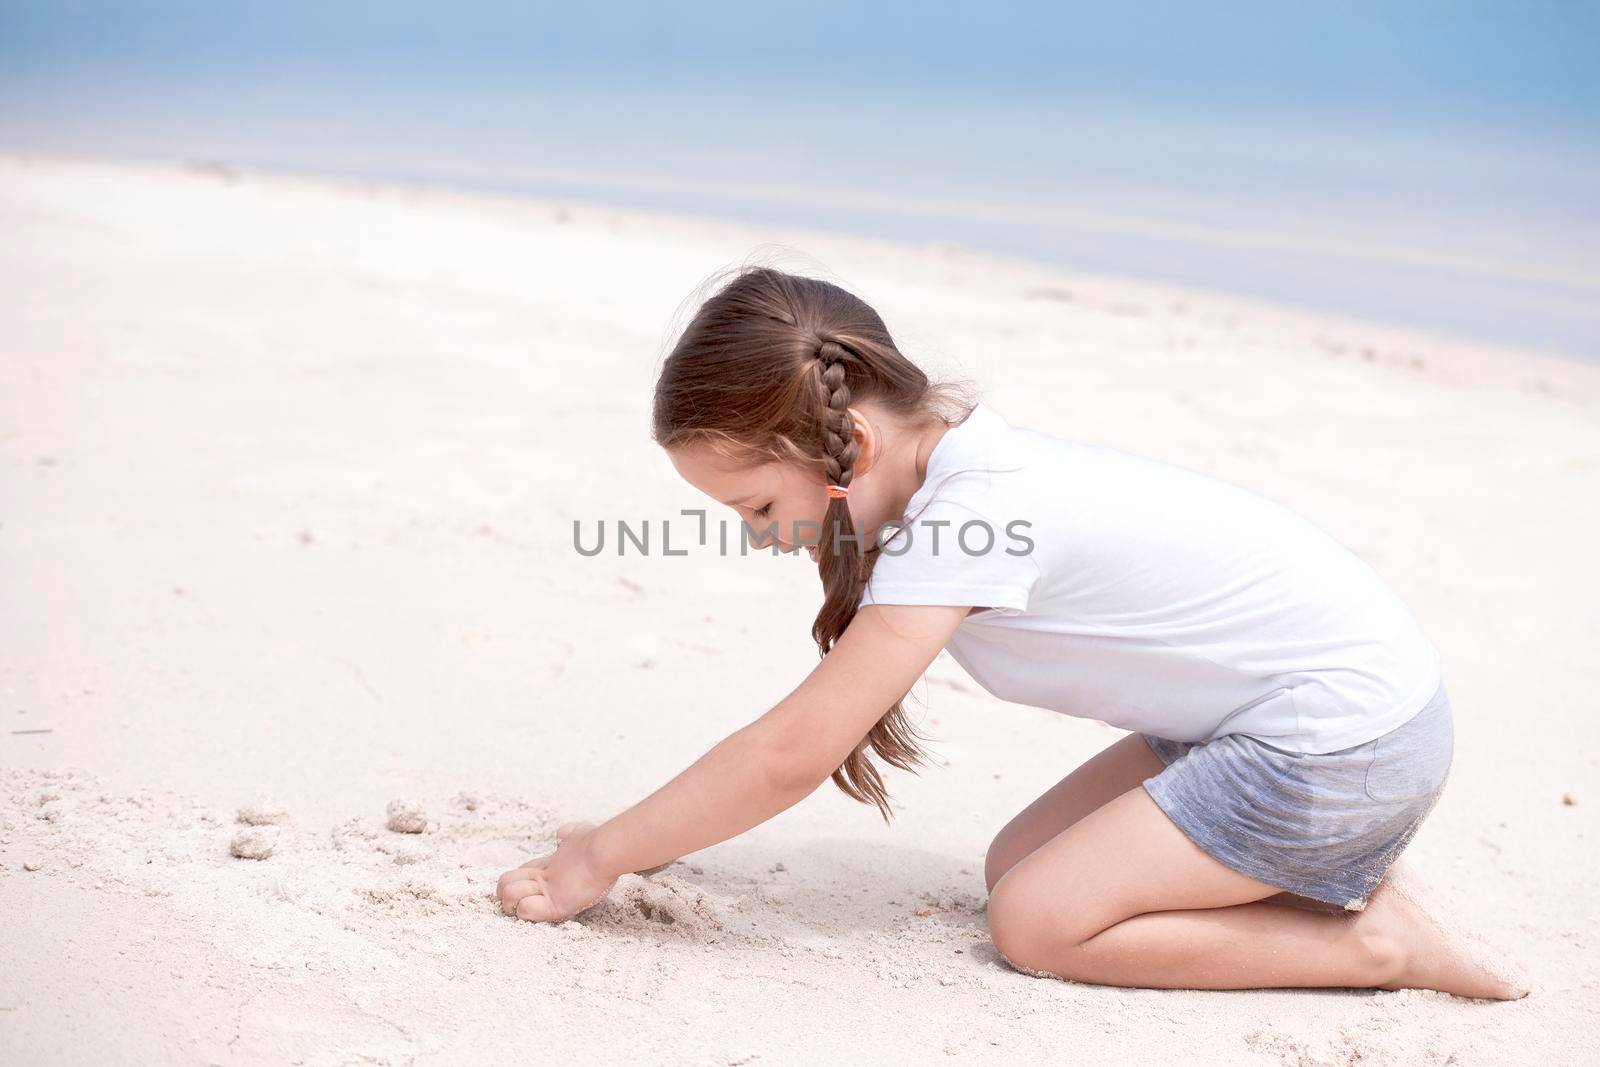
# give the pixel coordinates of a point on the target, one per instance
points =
(1434, 168)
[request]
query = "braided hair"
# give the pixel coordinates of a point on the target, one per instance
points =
(840, 547)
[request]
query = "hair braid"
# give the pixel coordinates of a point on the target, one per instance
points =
(839, 429)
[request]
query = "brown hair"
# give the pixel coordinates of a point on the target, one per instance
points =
(765, 371)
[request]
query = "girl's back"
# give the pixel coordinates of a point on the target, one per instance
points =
(1151, 596)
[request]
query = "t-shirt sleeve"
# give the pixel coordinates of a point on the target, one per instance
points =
(952, 553)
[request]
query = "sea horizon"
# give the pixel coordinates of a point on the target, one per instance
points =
(1389, 167)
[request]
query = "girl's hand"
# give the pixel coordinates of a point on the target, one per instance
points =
(553, 888)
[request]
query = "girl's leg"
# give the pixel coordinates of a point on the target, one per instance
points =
(1123, 897)
(1103, 777)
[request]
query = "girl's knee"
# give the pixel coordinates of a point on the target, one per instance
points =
(1025, 931)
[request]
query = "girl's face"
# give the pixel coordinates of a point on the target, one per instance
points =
(781, 503)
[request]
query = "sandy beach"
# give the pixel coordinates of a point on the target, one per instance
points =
(292, 468)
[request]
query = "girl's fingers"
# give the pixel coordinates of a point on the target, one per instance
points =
(525, 882)
(528, 870)
(536, 907)
(512, 892)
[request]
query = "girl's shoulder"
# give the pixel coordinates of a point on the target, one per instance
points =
(984, 443)
(963, 538)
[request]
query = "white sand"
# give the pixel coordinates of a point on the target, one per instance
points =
(285, 536)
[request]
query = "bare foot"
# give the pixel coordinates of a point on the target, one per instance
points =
(1428, 953)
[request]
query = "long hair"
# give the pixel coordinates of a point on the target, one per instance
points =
(767, 370)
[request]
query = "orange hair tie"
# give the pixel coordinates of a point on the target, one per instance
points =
(838, 490)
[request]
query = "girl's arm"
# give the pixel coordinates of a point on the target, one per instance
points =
(753, 774)
(781, 758)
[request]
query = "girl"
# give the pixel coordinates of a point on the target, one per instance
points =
(1290, 729)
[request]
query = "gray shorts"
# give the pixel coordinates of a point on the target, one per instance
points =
(1325, 826)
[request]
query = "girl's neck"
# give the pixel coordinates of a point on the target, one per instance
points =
(903, 468)
(929, 440)
(924, 442)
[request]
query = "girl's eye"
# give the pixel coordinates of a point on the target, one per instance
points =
(761, 512)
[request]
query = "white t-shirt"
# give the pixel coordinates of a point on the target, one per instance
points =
(1151, 596)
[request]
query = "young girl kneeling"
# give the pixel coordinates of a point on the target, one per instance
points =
(1290, 727)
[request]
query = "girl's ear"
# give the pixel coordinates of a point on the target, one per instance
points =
(868, 442)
